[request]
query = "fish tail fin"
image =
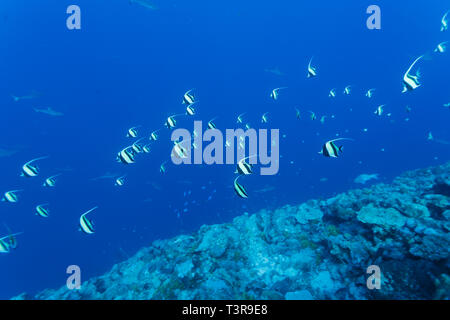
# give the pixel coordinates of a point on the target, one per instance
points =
(341, 149)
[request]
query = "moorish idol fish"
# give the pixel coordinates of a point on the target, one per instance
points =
(190, 111)
(86, 225)
(126, 155)
(154, 135)
(137, 147)
(171, 122)
(330, 149)
(240, 118)
(441, 47)
(313, 115)
(8, 242)
(408, 109)
(240, 190)
(211, 124)
(332, 93)
(348, 90)
(133, 132)
(379, 111)
(411, 82)
(247, 126)
(11, 196)
(369, 93)
(120, 181)
(4, 246)
(264, 118)
(311, 70)
(444, 21)
(51, 181)
(146, 148)
(42, 210)
(275, 93)
(179, 150)
(297, 113)
(322, 119)
(188, 98)
(30, 170)
(162, 167)
(243, 167)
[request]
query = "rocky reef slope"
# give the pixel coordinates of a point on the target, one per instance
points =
(316, 250)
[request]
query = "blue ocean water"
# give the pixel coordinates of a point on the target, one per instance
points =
(130, 65)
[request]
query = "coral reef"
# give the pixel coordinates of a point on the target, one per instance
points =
(316, 250)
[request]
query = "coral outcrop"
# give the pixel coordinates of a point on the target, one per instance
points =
(320, 249)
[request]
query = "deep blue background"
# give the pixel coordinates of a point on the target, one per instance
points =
(130, 66)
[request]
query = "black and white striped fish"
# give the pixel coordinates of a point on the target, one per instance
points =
(265, 118)
(243, 167)
(8, 242)
(379, 111)
(86, 225)
(188, 98)
(146, 148)
(332, 93)
(347, 90)
(120, 181)
(275, 93)
(30, 170)
(190, 110)
(239, 189)
(211, 124)
(240, 118)
(137, 147)
(441, 47)
(445, 21)
(51, 181)
(11, 196)
(42, 210)
(369, 93)
(311, 70)
(154, 135)
(4, 246)
(133, 132)
(162, 167)
(410, 81)
(180, 151)
(171, 122)
(126, 155)
(329, 149)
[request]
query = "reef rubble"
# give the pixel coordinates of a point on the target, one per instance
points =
(320, 249)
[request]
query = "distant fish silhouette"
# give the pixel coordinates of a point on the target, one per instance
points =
(274, 71)
(49, 111)
(33, 95)
(107, 175)
(144, 3)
